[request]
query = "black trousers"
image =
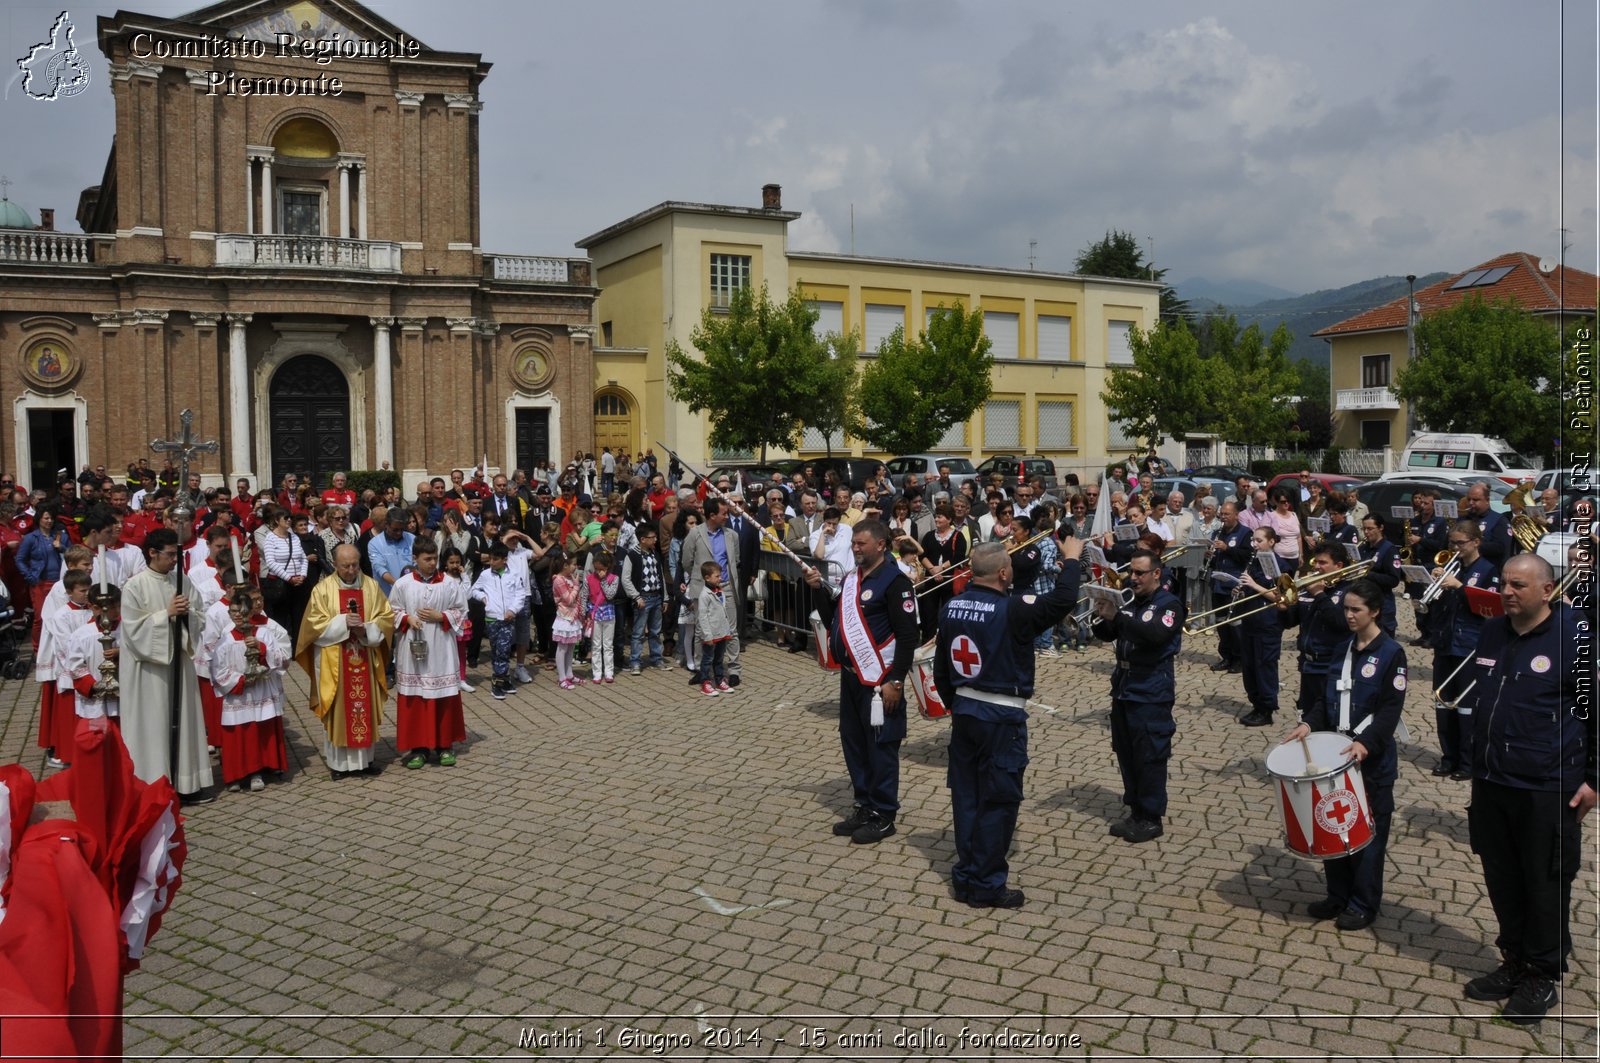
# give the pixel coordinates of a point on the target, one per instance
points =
(1531, 845)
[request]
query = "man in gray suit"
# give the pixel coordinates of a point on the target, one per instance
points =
(713, 540)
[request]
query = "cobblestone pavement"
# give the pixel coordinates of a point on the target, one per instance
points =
(637, 870)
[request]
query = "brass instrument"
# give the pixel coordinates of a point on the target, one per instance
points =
(1526, 529)
(1406, 553)
(1287, 587)
(1450, 560)
(1565, 584)
(950, 577)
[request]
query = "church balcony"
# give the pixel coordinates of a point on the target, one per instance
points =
(532, 269)
(45, 246)
(308, 252)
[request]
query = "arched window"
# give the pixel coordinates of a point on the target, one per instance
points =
(610, 405)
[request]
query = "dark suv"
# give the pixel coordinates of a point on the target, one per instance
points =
(1019, 470)
(852, 472)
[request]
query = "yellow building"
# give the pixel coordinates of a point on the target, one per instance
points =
(1367, 352)
(1054, 334)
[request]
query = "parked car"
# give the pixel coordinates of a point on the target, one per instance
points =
(927, 467)
(1381, 496)
(1571, 486)
(752, 472)
(1165, 485)
(1458, 454)
(853, 472)
(1016, 470)
(1230, 473)
(1330, 481)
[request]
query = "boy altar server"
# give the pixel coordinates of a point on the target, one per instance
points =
(429, 610)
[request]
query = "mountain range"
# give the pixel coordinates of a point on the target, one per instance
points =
(1254, 303)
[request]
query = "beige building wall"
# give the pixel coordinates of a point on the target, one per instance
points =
(1345, 356)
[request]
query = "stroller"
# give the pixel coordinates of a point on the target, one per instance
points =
(13, 632)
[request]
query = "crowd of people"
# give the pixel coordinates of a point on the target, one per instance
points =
(175, 612)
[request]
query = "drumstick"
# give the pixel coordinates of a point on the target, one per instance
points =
(1311, 768)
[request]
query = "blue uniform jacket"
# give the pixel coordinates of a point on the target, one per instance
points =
(986, 643)
(1233, 553)
(1377, 693)
(1322, 629)
(1497, 545)
(1264, 620)
(1529, 691)
(1385, 571)
(1344, 533)
(1149, 633)
(889, 605)
(1462, 627)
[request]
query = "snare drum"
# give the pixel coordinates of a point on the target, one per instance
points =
(819, 635)
(928, 701)
(1324, 803)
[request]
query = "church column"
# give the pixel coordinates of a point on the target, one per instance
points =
(361, 200)
(239, 402)
(266, 196)
(250, 194)
(344, 200)
(383, 416)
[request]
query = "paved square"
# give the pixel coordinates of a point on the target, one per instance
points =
(637, 869)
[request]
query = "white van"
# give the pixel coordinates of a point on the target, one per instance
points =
(1450, 454)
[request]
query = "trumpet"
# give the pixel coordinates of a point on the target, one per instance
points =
(1451, 562)
(1287, 587)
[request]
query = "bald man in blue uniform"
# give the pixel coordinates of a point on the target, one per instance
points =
(983, 669)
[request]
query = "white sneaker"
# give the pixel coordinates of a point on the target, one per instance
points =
(522, 675)
(465, 687)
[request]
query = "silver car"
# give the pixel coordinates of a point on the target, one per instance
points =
(926, 466)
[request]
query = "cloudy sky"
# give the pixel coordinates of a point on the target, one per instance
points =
(1305, 145)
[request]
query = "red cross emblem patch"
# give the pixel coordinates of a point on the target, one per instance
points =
(965, 656)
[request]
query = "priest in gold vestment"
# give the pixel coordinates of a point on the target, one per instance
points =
(344, 647)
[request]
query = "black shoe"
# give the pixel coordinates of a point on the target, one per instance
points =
(1498, 984)
(199, 797)
(1143, 830)
(797, 649)
(1534, 996)
(498, 691)
(1324, 909)
(1120, 828)
(960, 893)
(733, 680)
(1444, 769)
(874, 828)
(1351, 919)
(372, 769)
(1461, 775)
(1257, 718)
(1003, 899)
(1221, 666)
(850, 823)
(1235, 669)
(694, 679)
(1418, 641)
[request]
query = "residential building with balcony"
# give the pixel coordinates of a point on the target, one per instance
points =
(305, 271)
(1055, 336)
(1368, 350)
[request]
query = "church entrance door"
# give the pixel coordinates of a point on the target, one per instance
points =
(310, 421)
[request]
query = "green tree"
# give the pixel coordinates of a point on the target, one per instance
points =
(1118, 255)
(831, 410)
(1166, 390)
(1489, 368)
(761, 366)
(1313, 413)
(1255, 381)
(917, 388)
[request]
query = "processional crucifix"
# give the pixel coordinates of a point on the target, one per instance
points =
(185, 447)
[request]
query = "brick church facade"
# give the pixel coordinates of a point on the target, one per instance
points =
(305, 271)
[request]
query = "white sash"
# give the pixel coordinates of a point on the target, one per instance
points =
(866, 656)
(1345, 685)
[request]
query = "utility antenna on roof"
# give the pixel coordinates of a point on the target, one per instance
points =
(5, 187)
(1033, 246)
(1566, 245)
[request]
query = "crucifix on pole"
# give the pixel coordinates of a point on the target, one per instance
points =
(185, 447)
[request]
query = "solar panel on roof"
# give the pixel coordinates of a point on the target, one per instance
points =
(1491, 276)
(1467, 280)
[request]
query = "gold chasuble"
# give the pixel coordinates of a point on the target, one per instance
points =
(344, 648)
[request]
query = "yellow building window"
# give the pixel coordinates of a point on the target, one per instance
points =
(729, 273)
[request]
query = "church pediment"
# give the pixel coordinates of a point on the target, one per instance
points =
(307, 20)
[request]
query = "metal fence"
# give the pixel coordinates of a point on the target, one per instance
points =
(786, 600)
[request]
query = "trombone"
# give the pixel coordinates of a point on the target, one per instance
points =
(938, 582)
(1565, 584)
(1288, 588)
(1451, 560)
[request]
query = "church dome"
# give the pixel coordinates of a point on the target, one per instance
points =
(15, 217)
